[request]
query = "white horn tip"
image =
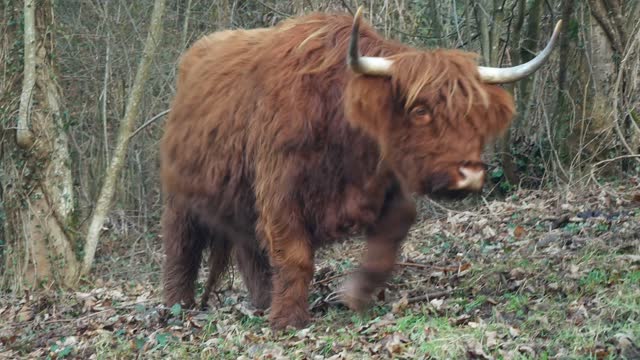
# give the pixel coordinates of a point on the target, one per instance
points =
(558, 26)
(358, 13)
(494, 75)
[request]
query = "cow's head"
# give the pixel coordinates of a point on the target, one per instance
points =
(432, 112)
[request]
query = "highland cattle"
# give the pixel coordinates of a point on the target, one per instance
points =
(284, 139)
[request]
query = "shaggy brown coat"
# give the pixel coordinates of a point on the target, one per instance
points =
(274, 147)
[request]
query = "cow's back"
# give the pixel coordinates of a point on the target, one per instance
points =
(205, 135)
(244, 96)
(224, 109)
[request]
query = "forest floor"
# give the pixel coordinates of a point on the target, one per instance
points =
(536, 275)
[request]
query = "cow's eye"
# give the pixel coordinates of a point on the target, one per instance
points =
(420, 115)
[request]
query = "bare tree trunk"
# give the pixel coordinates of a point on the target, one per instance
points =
(468, 10)
(562, 101)
(529, 47)
(103, 204)
(586, 114)
(608, 14)
(482, 13)
(508, 163)
(436, 24)
(567, 11)
(40, 204)
(6, 89)
(489, 14)
(494, 31)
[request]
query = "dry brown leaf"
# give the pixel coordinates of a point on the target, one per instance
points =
(492, 339)
(488, 232)
(461, 320)
(394, 343)
(25, 314)
(475, 351)
(514, 332)
(601, 353)
(437, 303)
(527, 349)
(464, 267)
(574, 271)
(400, 305)
(626, 346)
(430, 332)
(517, 273)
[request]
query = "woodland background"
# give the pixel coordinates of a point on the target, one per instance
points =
(78, 102)
(545, 262)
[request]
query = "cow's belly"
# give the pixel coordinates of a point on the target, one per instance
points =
(347, 215)
(230, 214)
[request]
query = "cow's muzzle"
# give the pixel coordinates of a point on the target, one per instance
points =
(471, 178)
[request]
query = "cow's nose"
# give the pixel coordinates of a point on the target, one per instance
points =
(471, 178)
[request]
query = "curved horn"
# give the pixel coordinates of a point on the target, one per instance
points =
(376, 66)
(505, 75)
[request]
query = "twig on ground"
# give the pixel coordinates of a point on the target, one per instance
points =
(430, 296)
(331, 278)
(459, 268)
(442, 207)
(416, 265)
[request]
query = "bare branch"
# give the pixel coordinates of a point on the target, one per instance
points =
(149, 122)
(103, 204)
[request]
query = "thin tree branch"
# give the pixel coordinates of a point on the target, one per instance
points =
(149, 122)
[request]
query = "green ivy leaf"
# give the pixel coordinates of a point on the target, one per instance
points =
(176, 310)
(497, 173)
(162, 339)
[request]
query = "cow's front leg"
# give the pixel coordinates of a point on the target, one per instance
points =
(384, 239)
(291, 257)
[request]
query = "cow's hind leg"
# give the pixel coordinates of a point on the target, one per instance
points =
(219, 259)
(253, 263)
(184, 240)
(384, 239)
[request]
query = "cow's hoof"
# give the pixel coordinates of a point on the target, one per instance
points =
(353, 296)
(297, 320)
(262, 301)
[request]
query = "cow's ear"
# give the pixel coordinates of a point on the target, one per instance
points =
(500, 111)
(368, 104)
